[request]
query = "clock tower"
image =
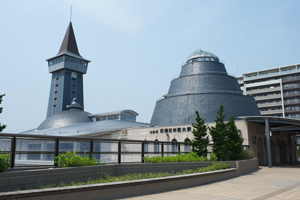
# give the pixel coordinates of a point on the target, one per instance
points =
(67, 69)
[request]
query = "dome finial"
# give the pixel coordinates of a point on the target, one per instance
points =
(74, 105)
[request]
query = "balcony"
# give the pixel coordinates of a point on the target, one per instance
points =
(263, 90)
(261, 105)
(276, 96)
(289, 110)
(271, 112)
(290, 79)
(292, 101)
(294, 93)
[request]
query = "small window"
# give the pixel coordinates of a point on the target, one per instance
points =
(161, 130)
(74, 79)
(55, 92)
(183, 129)
(57, 78)
(73, 92)
(54, 105)
(170, 130)
(178, 130)
(174, 130)
(166, 130)
(189, 129)
(73, 85)
(156, 131)
(56, 85)
(55, 99)
(150, 132)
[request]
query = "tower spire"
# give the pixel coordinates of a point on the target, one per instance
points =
(69, 43)
(71, 14)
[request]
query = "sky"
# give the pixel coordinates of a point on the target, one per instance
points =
(136, 48)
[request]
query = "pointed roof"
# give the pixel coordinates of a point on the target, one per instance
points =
(69, 43)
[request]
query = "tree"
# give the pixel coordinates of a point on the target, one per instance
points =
(235, 140)
(200, 141)
(1, 108)
(219, 134)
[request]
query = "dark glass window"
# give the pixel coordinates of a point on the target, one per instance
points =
(170, 130)
(156, 147)
(161, 130)
(166, 130)
(189, 129)
(174, 146)
(174, 130)
(178, 130)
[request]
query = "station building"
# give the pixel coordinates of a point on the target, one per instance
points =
(203, 85)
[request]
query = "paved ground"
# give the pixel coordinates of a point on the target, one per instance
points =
(281, 182)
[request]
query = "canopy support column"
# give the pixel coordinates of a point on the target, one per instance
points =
(267, 129)
(290, 149)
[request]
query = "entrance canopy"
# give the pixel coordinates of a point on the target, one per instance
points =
(288, 125)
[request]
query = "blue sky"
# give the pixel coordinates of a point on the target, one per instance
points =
(136, 48)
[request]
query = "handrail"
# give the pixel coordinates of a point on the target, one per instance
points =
(91, 140)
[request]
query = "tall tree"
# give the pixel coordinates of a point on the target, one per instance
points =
(200, 140)
(1, 108)
(235, 140)
(219, 134)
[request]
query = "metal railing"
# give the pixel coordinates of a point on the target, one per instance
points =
(118, 148)
(291, 78)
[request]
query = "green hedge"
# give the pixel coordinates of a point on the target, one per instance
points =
(190, 157)
(4, 162)
(71, 159)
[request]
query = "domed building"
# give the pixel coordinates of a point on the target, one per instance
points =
(203, 85)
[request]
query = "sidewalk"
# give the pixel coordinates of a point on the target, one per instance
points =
(279, 182)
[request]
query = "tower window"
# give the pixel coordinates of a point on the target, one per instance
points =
(55, 99)
(55, 92)
(57, 78)
(56, 85)
(54, 105)
(73, 92)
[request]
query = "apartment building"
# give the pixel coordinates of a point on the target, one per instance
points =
(276, 91)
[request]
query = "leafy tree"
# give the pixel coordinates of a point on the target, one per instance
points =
(219, 134)
(235, 140)
(1, 108)
(200, 141)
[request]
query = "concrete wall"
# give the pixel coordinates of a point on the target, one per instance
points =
(132, 188)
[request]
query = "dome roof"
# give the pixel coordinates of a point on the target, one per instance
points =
(200, 53)
(65, 118)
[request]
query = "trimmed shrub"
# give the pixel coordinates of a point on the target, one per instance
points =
(4, 162)
(190, 157)
(71, 159)
(246, 154)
